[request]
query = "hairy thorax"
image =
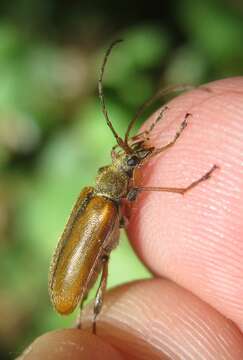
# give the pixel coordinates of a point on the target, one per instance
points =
(111, 182)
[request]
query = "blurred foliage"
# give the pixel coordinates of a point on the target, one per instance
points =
(53, 137)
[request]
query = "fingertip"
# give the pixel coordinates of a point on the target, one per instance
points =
(70, 344)
(196, 240)
(157, 319)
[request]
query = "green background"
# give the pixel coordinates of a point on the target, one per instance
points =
(53, 137)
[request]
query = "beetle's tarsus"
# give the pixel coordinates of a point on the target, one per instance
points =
(203, 178)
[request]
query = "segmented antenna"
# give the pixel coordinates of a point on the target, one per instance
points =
(119, 140)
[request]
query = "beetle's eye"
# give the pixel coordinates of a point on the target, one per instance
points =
(133, 161)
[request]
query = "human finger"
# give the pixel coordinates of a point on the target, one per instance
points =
(196, 239)
(158, 319)
(70, 344)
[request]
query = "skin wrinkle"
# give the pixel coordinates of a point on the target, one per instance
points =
(194, 330)
(189, 146)
(193, 317)
(205, 332)
(150, 339)
(228, 336)
(140, 343)
(215, 272)
(157, 342)
(234, 264)
(186, 340)
(169, 319)
(216, 207)
(121, 314)
(225, 333)
(201, 335)
(190, 316)
(224, 347)
(191, 332)
(174, 349)
(216, 268)
(159, 336)
(214, 243)
(228, 148)
(199, 350)
(168, 343)
(121, 311)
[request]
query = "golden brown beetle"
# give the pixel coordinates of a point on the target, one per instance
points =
(92, 230)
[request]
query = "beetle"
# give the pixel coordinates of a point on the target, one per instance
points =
(92, 230)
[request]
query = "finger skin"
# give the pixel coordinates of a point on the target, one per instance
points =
(70, 344)
(153, 319)
(157, 319)
(197, 239)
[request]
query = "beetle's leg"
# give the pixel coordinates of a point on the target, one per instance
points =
(101, 291)
(134, 191)
(145, 134)
(159, 94)
(176, 137)
(163, 148)
(78, 324)
(172, 142)
(123, 222)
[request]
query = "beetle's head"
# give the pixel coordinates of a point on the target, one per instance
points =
(128, 162)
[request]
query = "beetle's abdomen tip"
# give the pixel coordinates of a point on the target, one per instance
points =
(63, 305)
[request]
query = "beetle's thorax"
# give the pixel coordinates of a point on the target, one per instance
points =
(112, 182)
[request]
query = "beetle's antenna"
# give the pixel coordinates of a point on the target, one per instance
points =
(159, 94)
(119, 140)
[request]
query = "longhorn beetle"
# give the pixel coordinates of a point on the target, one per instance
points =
(92, 230)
